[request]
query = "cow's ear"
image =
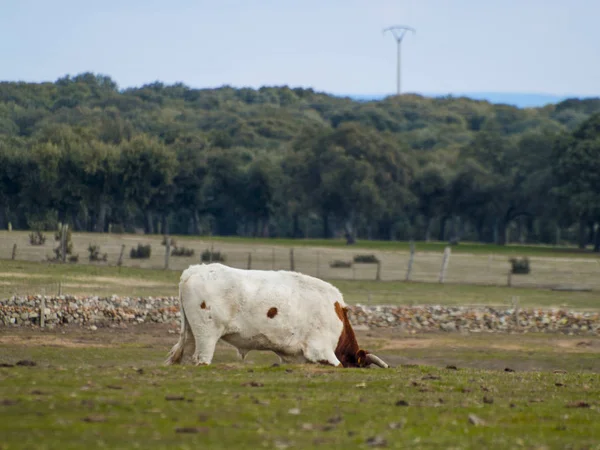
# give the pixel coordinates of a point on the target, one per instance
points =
(361, 358)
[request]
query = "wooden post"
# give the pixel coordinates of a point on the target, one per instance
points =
(14, 252)
(515, 304)
(167, 251)
(59, 288)
(445, 261)
(63, 242)
(212, 246)
(43, 311)
(292, 264)
(378, 274)
(411, 260)
(509, 279)
(120, 260)
(273, 259)
(318, 263)
(249, 260)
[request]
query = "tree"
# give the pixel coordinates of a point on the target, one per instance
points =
(147, 168)
(343, 173)
(577, 170)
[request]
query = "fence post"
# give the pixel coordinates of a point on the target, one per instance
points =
(59, 288)
(63, 242)
(212, 246)
(273, 258)
(43, 311)
(14, 252)
(509, 279)
(515, 304)
(292, 264)
(378, 274)
(120, 260)
(445, 262)
(249, 260)
(167, 251)
(411, 259)
(318, 264)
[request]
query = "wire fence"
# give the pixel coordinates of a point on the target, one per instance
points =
(326, 263)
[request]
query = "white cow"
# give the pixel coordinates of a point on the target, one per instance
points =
(300, 318)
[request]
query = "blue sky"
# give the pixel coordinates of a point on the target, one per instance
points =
(539, 46)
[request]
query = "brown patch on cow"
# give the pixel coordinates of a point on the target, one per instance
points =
(339, 311)
(347, 350)
(272, 312)
(203, 305)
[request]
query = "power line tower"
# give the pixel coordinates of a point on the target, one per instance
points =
(398, 31)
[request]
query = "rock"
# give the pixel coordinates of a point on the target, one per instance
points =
(474, 420)
(376, 441)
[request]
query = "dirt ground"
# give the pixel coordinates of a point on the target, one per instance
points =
(478, 350)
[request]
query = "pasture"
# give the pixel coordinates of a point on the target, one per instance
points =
(107, 389)
(29, 278)
(469, 264)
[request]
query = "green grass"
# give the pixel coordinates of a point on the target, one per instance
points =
(401, 293)
(119, 397)
(469, 264)
(432, 246)
(33, 278)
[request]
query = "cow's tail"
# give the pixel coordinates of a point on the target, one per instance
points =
(176, 353)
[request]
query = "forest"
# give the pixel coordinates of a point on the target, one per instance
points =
(284, 162)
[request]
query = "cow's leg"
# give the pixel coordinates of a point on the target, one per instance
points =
(242, 353)
(206, 338)
(317, 354)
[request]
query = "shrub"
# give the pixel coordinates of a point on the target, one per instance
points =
(216, 256)
(37, 238)
(520, 266)
(142, 252)
(366, 259)
(338, 264)
(182, 251)
(94, 251)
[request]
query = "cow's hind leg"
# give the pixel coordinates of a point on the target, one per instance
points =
(206, 335)
(205, 347)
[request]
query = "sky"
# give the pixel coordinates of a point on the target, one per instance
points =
(336, 46)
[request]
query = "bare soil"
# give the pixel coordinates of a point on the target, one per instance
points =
(485, 351)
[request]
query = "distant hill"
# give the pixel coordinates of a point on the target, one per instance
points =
(520, 100)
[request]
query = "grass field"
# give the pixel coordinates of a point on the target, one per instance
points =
(469, 263)
(107, 389)
(43, 278)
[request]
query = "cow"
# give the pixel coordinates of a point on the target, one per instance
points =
(298, 317)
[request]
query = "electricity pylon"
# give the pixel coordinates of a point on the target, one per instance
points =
(399, 31)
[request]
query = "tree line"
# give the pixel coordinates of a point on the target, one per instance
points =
(296, 163)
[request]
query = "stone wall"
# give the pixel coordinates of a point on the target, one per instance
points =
(95, 311)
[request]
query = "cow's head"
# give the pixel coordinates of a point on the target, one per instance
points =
(361, 358)
(347, 350)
